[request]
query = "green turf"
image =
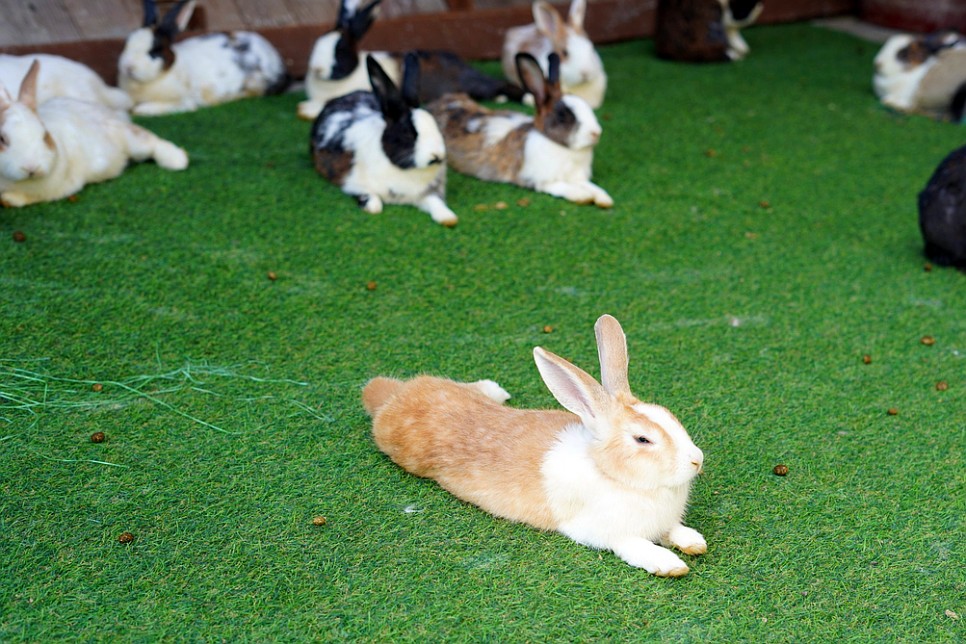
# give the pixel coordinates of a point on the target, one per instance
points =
(764, 239)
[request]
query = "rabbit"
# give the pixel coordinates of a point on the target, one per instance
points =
(62, 77)
(581, 69)
(704, 30)
(163, 77)
(611, 472)
(925, 74)
(551, 153)
(942, 212)
(335, 67)
(379, 146)
(51, 151)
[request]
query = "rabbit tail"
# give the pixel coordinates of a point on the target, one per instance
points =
(378, 392)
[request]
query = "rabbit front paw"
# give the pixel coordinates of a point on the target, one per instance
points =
(687, 540)
(656, 560)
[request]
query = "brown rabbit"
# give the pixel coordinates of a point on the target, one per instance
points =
(612, 472)
(700, 31)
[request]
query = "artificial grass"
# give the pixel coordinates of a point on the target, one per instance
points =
(764, 240)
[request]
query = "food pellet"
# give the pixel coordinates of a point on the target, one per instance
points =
(780, 470)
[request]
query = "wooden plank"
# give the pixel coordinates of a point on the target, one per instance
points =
(256, 14)
(313, 12)
(99, 19)
(36, 22)
(222, 15)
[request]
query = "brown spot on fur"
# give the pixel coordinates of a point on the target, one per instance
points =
(462, 122)
(334, 166)
(49, 141)
(914, 54)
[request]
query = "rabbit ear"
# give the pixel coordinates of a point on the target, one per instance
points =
(612, 350)
(410, 83)
(548, 21)
(150, 13)
(390, 100)
(358, 23)
(532, 77)
(177, 18)
(28, 86)
(5, 98)
(578, 9)
(571, 386)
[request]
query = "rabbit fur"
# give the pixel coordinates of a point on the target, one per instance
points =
(923, 74)
(164, 77)
(381, 147)
(581, 69)
(61, 76)
(335, 67)
(700, 31)
(51, 151)
(611, 472)
(552, 152)
(942, 211)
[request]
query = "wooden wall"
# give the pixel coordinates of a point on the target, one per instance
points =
(93, 31)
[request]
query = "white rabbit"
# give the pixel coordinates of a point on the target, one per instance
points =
(551, 153)
(581, 69)
(614, 473)
(381, 147)
(164, 77)
(51, 151)
(335, 67)
(922, 74)
(61, 76)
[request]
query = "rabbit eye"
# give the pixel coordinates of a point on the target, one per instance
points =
(3, 141)
(642, 440)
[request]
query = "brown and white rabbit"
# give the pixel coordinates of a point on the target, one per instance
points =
(552, 152)
(703, 30)
(61, 76)
(336, 67)
(164, 77)
(51, 151)
(612, 472)
(581, 69)
(925, 74)
(379, 146)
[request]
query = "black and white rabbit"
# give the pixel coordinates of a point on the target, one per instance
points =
(379, 146)
(164, 77)
(552, 152)
(942, 211)
(335, 67)
(703, 30)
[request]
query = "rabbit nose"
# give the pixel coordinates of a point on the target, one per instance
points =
(697, 460)
(436, 159)
(31, 170)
